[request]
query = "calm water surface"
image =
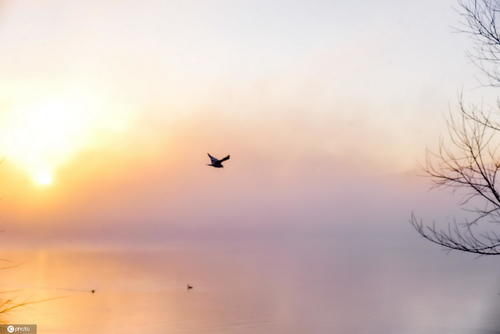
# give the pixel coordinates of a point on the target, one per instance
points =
(307, 286)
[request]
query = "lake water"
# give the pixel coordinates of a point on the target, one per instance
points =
(296, 285)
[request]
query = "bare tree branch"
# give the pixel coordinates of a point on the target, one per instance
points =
(468, 162)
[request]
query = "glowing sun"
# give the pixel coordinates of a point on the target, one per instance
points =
(41, 136)
(43, 178)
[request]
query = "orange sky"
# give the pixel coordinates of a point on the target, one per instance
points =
(109, 108)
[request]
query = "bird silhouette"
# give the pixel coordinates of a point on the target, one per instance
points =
(216, 163)
(189, 287)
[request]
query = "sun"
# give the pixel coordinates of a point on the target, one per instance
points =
(41, 136)
(43, 178)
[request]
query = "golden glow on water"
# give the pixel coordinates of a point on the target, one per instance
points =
(251, 292)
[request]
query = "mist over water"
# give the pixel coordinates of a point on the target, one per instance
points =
(329, 280)
(325, 108)
(334, 259)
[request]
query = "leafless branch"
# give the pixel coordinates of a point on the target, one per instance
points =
(467, 162)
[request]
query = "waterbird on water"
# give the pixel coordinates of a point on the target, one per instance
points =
(216, 163)
(189, 287)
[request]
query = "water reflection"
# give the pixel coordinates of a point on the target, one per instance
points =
(290, 287)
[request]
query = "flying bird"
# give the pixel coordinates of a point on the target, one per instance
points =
(216, 162)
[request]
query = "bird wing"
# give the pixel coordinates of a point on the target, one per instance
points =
(226, 158)
(212, 158)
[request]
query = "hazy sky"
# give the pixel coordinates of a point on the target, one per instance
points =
(110, 107)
